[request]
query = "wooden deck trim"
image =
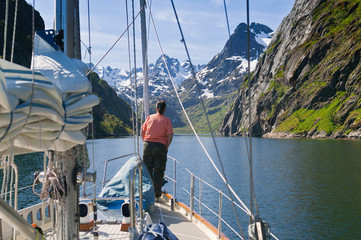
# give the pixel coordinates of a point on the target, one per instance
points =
(86, 226)
(200, 218)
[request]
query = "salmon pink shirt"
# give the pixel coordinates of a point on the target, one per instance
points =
(157, 127)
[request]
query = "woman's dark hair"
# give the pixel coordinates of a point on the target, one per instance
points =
(161, 105)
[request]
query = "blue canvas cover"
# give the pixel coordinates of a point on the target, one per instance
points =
(118, 187)
(157, 231)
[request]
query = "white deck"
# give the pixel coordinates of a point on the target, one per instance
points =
(106, 231)
(178, 224)
(109, 222)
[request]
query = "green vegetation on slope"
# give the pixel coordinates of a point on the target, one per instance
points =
(306, 120)
(326, 77)
(111, 125)
(338, 14)
(216, 109)
(112, 116)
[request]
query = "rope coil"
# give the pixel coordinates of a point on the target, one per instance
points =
(53, 185)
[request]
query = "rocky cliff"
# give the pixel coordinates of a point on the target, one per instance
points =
(308, 82)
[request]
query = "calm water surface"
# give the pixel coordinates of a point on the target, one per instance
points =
(306, 189)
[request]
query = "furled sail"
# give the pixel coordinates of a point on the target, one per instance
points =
(46, 108)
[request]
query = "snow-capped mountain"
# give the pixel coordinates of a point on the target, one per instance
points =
(159, 81)
(223, 74)
(220, 78)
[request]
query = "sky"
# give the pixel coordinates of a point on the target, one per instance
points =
(203, 23)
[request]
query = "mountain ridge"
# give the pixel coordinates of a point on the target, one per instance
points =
(118, 78)
(218, 80)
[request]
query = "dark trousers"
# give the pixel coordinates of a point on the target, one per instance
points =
(155, 158)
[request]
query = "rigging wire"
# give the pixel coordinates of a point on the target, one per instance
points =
(130, 77)
(150, 8)
(135, 79)
(249, 115)
(229, 31)
(205, 112)
(115, 43)
(14, 30)
(225, 11)
(223, 178)
(247, 145)
(6, 28)
(95, 232)
(32, 69)
(252, 195)
(90, 79)
(86, 47)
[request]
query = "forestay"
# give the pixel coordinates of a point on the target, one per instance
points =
(40, 113)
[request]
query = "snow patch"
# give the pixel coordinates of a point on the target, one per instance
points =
(207, 93)
(235, 58)
(263, 39)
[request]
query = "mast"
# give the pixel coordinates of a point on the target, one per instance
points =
(67, 19)
(145, 58)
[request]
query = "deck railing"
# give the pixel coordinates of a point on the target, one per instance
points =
(13, 219)
(106, 166)
(199, 199)
(133, 229)
(191, 193)
(40, 213)
(132, 179)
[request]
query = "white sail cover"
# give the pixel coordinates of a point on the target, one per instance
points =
(40, 113)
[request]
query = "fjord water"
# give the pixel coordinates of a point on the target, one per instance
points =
(305, 189)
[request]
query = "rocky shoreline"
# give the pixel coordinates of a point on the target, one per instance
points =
(354, 135)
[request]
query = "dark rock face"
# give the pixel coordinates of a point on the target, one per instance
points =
(23, 34)
(307, 84)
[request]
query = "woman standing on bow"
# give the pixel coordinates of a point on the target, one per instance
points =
(157, 134)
